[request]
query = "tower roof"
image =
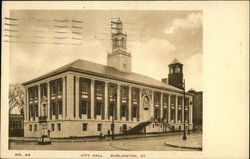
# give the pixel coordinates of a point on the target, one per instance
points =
(175, 61)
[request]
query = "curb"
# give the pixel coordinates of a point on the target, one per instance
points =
(186, 147)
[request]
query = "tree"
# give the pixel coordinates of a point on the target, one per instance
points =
(16, 97)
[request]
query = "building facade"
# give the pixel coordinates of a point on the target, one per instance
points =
(84, 99)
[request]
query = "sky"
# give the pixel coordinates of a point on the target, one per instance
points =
(43, 40)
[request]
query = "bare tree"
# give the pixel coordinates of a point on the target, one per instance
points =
(16, 97)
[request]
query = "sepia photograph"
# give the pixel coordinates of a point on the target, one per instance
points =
(123, 80)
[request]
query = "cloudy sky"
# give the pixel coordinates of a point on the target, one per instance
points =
(41, 41)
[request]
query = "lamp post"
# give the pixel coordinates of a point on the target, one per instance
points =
(184, 93)
(113, 115)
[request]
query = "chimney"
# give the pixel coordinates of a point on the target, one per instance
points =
(164, 80)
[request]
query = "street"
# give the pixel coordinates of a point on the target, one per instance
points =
(138, 144)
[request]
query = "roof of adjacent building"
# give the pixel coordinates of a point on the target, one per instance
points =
(96, 69)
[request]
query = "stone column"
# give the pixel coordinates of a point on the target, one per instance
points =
(39, 100)
(92, 98)
(152, 109)
(70, 96)
(48, 99)
(64, 97)
(106, 86)
(182, 109)
(77, 98)
(140, 106)
(169, 108)
(161, 106)
(118, 101)
(27, 105)
(176, 108)
(129, 102)
(191, 112)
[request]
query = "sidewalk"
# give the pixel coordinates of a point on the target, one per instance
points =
(194, 141)
(93, 138)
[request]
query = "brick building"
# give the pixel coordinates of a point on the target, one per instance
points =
(83, 98)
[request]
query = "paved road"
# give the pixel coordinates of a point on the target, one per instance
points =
(140, 144)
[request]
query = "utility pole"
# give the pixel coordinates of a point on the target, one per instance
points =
(184, 93)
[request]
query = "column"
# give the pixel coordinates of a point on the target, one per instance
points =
(77, 98)
(140, 106)
(70, 96)
(48, 100)
(169, 108)
(152, 105)
(161, 106)
(106, 86)
(182, 110)
(129, 102)
(176, 108)
(64, 97)
(27, 105)
(118, 101)
(191, 112)
(39, 100)
(92, 98)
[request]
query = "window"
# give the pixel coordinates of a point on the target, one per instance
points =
(111, 107)
(135, 94)
(59, 86)
(99, 127)
(173, 100)
(165, 99)
(98, 108)
(59, 126)
(84, 127)
(30, 128)
(179, 101)
(53, 88)
(84, 87)
(134, 111)
(164, 113)
(60, 106)
(36, 110)
(56, 86)
(83, 107)
(43, 90)
(52, 127)
(53, 107)
(123, 112)
(112, 91)
(31, 111)
(157, 97)
(124, 92)
(99, 89)
(179, 115)
(35, 128)
(172, 114)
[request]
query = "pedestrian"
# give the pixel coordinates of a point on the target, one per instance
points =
(108, 134)
(100, 135)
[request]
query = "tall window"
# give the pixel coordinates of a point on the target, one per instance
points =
(111, 109)
(59, 106)
(164, 113)
(179, 101)
(98, 108)
(173, 100)
(83, 107)
(99, 89)
(124, 92)
(123, 111)
(157, 97)
(30, 128)
(165, 99)
(84, 86)
(53, 107)
(56, 87)
(36, 110)
(35, 128)
(33, 92)
(134, 111)
(43, 90)
(135, 94)
(179, 114)
(172, 114)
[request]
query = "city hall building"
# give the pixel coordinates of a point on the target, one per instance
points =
(84, 98)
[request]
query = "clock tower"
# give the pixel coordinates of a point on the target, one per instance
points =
(175, 76)
(119, 58)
